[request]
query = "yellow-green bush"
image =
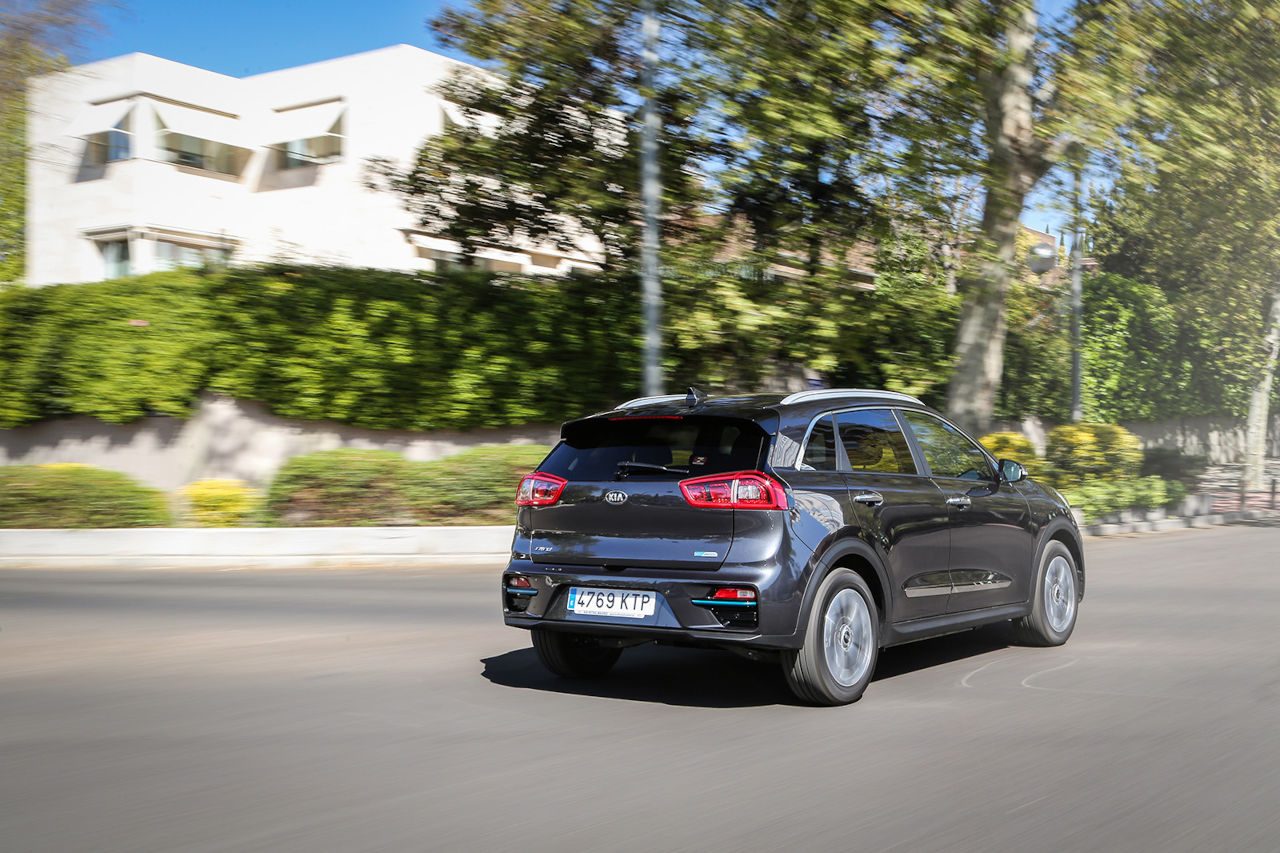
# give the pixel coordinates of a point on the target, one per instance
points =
(65, 495)
(1009, 445)
(218, 503)
(1081, 453)
(1015, 446)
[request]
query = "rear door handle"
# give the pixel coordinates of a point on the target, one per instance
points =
(868, 498)
(960, 501)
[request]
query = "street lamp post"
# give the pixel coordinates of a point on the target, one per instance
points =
(1077, 308)
(650, 193)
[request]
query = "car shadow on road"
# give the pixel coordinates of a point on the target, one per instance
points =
(708, 678)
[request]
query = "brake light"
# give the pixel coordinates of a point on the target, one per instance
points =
(538, 489)
(739, 490)
(733, 593)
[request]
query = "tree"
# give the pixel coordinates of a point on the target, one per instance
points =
(772, 120)
(34, 37)
(991, 95)
(546, 148)
(795, 97)
(1199, 214)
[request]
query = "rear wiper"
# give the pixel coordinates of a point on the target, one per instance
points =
(625, 468)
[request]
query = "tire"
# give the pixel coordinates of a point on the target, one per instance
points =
(1055, 600)
(841, 643)
(574, 655)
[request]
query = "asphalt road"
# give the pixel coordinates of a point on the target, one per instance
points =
(392, 711)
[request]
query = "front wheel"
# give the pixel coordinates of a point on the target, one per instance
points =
(1055, 602)
(574, 655)
(841, 643)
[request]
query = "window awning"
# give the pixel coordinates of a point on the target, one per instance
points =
(486, 123)
(202, 125)
(306, 122)
(98, 118)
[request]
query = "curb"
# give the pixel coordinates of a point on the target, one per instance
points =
(256, 547)
(1181, 523)
(337, 548)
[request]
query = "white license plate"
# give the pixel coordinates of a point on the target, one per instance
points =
(635, 604)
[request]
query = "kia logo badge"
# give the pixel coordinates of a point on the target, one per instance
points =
(615, 497)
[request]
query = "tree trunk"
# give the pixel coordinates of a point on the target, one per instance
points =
(1015, 162)
(1255, 442)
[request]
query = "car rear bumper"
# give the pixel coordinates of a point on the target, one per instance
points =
(769, 622)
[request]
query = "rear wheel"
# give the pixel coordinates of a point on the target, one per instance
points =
(574, 655)
(841, 643)
(1054, 605)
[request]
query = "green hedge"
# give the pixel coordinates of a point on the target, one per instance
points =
(380, 487)
(372, 348)
(78, 496)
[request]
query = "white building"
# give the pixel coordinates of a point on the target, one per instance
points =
(140, 164)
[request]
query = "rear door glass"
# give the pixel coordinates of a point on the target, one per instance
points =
(670, 447)
(822, 452)
(873, 441)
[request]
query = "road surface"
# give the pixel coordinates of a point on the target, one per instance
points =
(392, 711)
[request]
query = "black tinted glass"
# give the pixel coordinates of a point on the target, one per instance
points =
(873, 442)
(821, 453)
(948, 451)
(601, 448)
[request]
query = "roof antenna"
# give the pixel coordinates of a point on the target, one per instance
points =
(694, 397)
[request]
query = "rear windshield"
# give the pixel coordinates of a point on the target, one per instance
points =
(605, 449)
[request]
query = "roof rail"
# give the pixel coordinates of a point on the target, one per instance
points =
(645, 401)
(828, 393)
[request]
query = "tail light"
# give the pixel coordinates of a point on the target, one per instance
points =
(739, 490)
(538, 489)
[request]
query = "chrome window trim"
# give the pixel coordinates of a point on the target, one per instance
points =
(861, 407)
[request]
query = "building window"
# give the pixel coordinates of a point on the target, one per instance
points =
(200, 153)
(317, 150)
(113, 145)
(171, 256)
(115, 258)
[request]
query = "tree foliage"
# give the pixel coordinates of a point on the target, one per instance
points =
(35, 36)
(1195, 208)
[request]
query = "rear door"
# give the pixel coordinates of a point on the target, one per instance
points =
(622, 505)
(992, 546)
(905, 515)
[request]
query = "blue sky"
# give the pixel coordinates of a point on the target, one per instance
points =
(242, 37)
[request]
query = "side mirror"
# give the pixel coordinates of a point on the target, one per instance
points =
(1012, 472)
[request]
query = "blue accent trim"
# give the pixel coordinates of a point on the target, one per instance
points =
(515, 591)
(708, 602)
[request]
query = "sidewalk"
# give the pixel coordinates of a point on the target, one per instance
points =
(346, 547)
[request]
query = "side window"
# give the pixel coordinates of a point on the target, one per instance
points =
(821, 453)
(948, 451)
(873, 442)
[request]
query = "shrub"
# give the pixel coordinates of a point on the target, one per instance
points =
(339, 487)
(1173, 464)
(1149, 493)
(218, 503)
(77, 496)
(1080, 453)
(1175, 493)
(1015, 446)
(375, 487)
(1009, 445)
(474, 487)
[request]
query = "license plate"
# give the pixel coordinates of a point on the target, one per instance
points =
(635, 604)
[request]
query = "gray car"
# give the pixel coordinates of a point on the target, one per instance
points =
(816, 528)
